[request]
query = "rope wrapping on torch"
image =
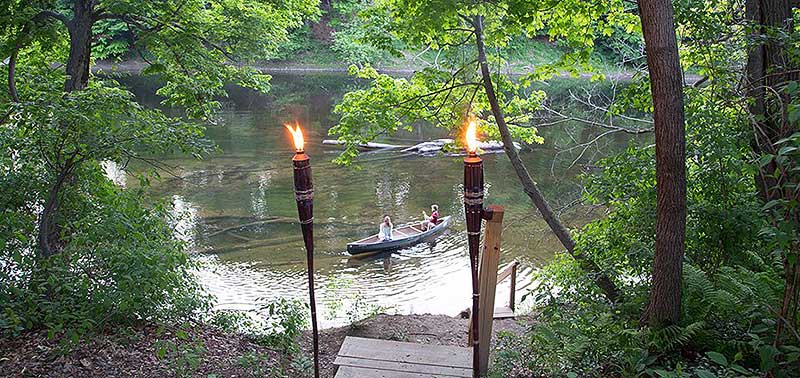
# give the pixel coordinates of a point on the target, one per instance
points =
(473, 209)
(304, 195)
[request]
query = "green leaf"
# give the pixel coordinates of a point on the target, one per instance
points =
(161, 352)
(703, 373)
(664, 373)
(787, 150)
(718, 358)
(739, 369)
(764, 160)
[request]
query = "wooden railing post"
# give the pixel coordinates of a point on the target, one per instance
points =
(510, 271)
(490, 259)
(512, 296)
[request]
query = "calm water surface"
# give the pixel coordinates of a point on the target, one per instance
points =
(240, 215)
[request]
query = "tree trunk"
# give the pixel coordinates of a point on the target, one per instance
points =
(666, 84)
(768, 70)
(49, 241)
(80, 46)
(531, 189)
(49, 238)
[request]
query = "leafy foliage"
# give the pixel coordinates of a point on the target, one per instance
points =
(452, 92)
(275, 324)
(117, 261)
(359, 35)
(732, 279)
(122, 266)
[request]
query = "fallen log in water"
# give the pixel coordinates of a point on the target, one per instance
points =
(253, 221)
(256, 223)
(257, 244)
(429, 148)
(438, 145)
(369, 145)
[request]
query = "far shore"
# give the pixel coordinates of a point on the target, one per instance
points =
(134, 67)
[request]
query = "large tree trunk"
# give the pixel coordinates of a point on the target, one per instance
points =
(768, 68)
(666, 84)
(49, 239)
(80, 46)
(531, 189)
(767, 72)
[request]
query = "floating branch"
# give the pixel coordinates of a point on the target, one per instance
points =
(368, 145)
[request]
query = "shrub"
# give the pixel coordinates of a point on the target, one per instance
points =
(121, 266)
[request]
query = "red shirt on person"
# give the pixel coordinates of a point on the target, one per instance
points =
(434, 217)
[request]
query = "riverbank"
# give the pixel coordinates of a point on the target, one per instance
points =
(134, 67)
(205, 351)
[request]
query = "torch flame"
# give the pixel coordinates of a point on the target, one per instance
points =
(472, 136)
(297, 135)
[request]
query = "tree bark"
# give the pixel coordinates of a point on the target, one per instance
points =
(529, 186)
(768, 70)
(49, 238)
(666, 84)
(80, 46)
(12, 81)
(49, 241)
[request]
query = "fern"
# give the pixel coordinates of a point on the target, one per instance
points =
(673, 337)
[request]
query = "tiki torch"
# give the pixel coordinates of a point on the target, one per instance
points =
(473, 209)
(304, 195)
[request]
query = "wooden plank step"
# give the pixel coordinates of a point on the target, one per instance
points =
(403, 352)
(355, 372)
(427, 370)
(504, 312)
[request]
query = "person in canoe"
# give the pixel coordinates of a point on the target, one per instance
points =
(431, 221)
(386, 228)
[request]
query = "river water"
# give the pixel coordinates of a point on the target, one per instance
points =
(239, 215)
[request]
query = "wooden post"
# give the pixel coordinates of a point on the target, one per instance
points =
(512, 296)
(490, 259)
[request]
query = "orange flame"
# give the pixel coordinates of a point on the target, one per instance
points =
(297, 135)
(471, 136)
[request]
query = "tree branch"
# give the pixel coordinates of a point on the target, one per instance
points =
(602, 280)
(18, 44)
(12, 81)
(51, 14)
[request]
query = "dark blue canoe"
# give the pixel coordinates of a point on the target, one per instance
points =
(403, 236)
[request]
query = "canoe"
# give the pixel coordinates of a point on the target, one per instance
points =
(403, 236)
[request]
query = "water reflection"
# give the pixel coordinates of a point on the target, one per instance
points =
(242, 217)
(114, 172)
(185, 221)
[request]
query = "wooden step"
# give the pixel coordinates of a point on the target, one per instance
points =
(372, 358)
(504, 312)
(356, 372)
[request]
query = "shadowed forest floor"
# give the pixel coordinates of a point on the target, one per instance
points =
(202, 351)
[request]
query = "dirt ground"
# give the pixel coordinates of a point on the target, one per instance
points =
(201, 351)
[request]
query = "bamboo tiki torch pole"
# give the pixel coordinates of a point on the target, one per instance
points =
(304, 195)
(473, 209)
